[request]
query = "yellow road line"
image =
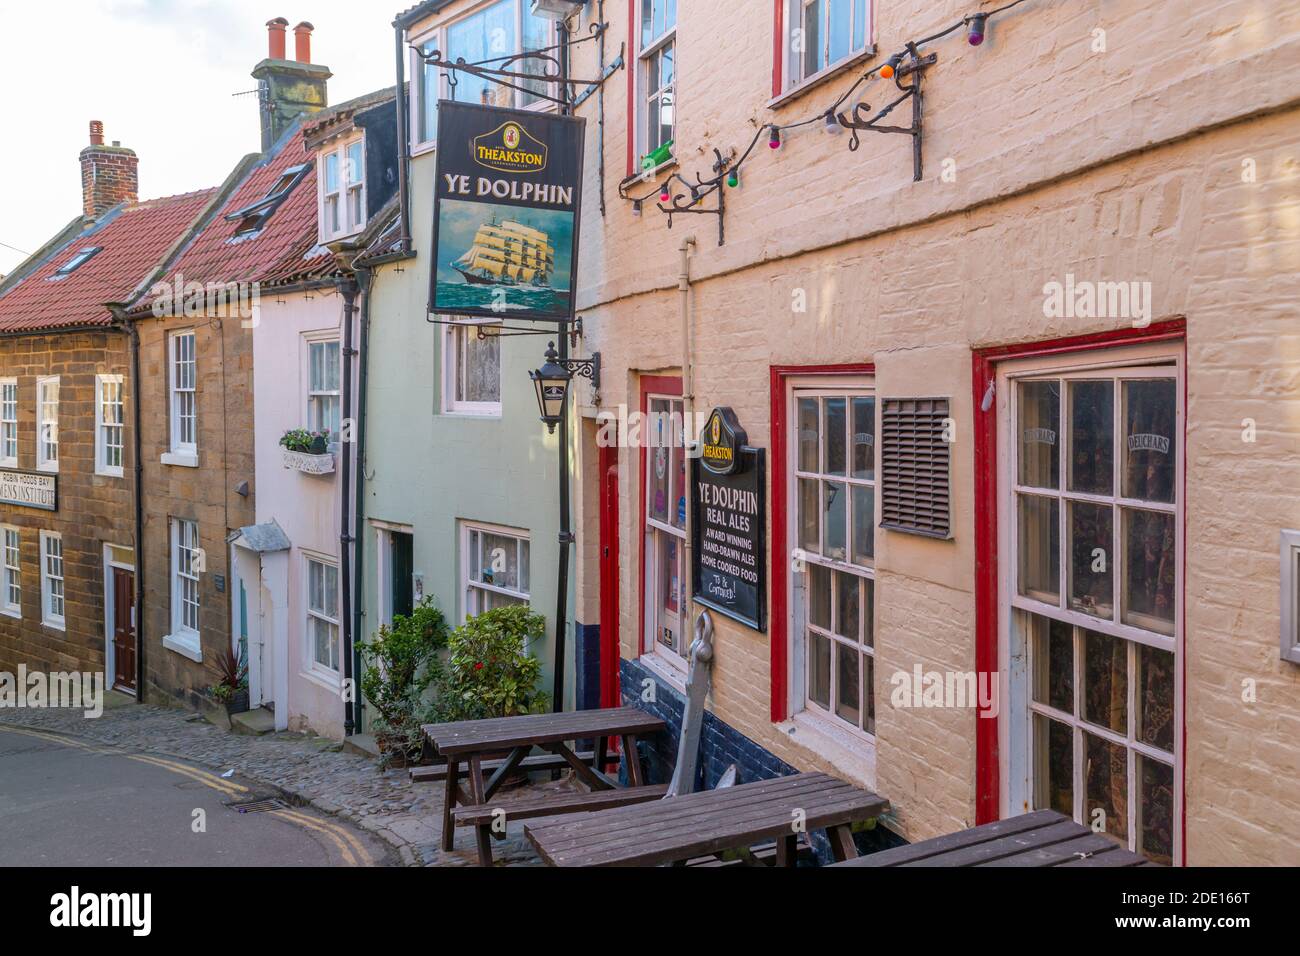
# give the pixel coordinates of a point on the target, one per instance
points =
(313, 825)
(229, 788)
(362, 852)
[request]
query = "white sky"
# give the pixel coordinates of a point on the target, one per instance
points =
(160, 74)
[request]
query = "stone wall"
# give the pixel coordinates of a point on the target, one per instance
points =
(93, 510)
(205, 494)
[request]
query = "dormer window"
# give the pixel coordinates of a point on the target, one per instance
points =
(342, 179)
(76, 262)
(253, 217)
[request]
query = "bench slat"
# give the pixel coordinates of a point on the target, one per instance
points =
(504, 733)
(438, 772)
(554, 804)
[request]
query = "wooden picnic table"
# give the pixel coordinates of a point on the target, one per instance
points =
(711, 822)
(469, 741)
(1041, 838)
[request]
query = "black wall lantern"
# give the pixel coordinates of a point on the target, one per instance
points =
(552, 382)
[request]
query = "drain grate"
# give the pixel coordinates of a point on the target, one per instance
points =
(258, 806)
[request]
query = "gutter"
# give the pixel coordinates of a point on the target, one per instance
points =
(139, 513)
(366, 280)
(403, 137)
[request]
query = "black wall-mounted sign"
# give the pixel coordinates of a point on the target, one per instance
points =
(505, 218)
(729, 482)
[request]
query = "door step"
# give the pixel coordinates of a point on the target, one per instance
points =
(253, 723)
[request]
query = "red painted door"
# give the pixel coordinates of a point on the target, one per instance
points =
(609, 652)
(123, 629)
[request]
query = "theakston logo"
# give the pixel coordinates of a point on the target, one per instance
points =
(511, 149)
(73, 909)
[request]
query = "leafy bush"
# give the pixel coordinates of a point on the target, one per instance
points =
(401, 662)
(489, 674)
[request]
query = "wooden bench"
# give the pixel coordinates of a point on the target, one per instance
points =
(472, 741)
(1041, 838)
(709, 823)
(538, 762)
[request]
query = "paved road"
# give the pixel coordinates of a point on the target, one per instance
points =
(72, 803)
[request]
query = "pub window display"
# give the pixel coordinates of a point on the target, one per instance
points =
(1096, 480)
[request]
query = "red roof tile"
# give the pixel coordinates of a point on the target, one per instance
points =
(217, 255)
(134, 240)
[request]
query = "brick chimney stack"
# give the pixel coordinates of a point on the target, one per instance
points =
(288, 88)
(109, 174)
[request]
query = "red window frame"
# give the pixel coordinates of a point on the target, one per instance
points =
(778, 628)
(984, 364)
(671, 386)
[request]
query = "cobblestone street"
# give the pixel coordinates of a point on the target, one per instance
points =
(310, 770)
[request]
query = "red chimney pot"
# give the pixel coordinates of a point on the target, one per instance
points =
(96, 133)
(302, 42)
(275, 37)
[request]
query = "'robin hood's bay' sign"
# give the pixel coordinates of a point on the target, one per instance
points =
(29, 489)
(505, 219)
(730, 483)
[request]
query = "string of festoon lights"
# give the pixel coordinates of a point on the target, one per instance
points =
(834, 119)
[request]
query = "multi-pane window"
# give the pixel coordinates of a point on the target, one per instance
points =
(665, 528)
(11, 590)
(834, 482)
(1096, 487)
(343, 190)
(52, 591)
(496, 567)
(47, 424)
(109, 424)
(473, 369)
(187, 564)
(494, 32)
(9, 421)
(181, 379)
(658, 73)
(822, 33)
(323, 388)
(323, 613)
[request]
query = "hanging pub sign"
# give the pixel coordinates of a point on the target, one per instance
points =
(729, 480)
(29, 489)
(505, 218)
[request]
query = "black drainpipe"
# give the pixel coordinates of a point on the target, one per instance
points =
(348, 288)
(366, 280)
(134, 333)
(403, 138)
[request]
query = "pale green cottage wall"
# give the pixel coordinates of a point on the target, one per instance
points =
(430, 470)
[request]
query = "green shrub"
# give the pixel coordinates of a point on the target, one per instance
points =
(489, 674)
(401, 662)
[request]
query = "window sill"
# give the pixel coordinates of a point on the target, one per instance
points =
(54, 625)
(8, 462)
(820, 77)
(422, 149)
(48, 468)
(180, 459)
(649, 175)
(327, 680)
(490, 413)
(851, 755)
(109, 472)
(672, 676)
(186, 644)
(15, 612)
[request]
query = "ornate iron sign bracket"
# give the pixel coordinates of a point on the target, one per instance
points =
(915, 67)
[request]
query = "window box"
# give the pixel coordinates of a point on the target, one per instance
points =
(308, 463)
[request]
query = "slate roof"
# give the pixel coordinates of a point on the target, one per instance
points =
(134, 237)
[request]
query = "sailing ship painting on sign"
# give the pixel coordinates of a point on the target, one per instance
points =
(505, 224)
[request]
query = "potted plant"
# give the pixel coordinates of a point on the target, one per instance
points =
(231, 688)
(307, 451)
(401, 662)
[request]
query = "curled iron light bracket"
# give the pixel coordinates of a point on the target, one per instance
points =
(688, 203)
(498, 70)
(861, 119)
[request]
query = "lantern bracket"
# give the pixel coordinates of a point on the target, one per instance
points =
(915, 66)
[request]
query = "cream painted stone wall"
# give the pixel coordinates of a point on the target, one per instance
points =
(1123, 165)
